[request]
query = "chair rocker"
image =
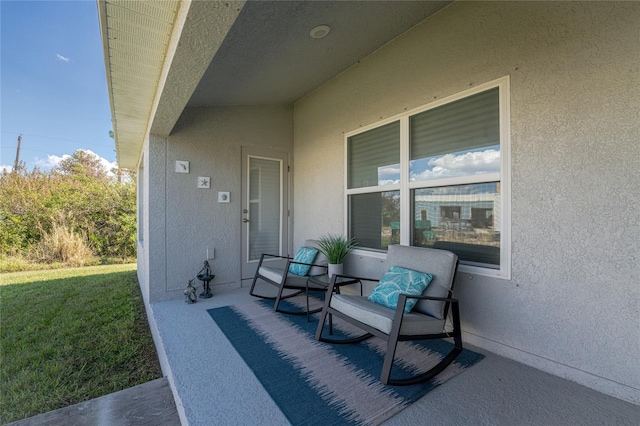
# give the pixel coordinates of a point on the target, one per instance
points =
(425, 321)
(283, 279)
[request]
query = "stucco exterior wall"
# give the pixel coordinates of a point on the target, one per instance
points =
(142, 223)
(183, 220)
(572, 305)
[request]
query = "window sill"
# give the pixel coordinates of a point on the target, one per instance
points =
(468, 269)
(485, 272)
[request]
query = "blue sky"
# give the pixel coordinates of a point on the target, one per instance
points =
(53, 83)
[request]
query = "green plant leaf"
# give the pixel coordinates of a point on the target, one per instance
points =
(336, 247)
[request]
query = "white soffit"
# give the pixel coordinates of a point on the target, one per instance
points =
(156, 52)
(164, 55)
(136, 37)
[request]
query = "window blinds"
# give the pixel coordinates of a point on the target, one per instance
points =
(463, 125)
(370, 150)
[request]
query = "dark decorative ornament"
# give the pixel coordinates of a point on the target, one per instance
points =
(190, 293)
(206, 276)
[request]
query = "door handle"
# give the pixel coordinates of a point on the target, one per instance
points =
(245, 220)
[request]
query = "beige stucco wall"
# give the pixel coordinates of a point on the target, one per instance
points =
(182, 220)
(572, 305)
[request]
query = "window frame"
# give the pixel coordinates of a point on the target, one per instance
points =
(405, 186)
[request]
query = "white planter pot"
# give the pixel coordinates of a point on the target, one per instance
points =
(335, 269)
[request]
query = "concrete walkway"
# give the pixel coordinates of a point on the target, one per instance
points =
(213, 386)
(147, 404)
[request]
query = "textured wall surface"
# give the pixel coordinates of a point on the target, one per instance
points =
(184, 220)
(155, 253)
(572, 304)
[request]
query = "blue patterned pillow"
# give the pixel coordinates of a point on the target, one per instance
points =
(304, 255)
(400, 280)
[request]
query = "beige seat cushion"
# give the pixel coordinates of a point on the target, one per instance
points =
(296, 281)
(381, 317)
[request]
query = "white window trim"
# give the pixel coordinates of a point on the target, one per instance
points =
(504, 177)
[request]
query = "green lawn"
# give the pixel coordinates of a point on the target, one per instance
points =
(69, 335)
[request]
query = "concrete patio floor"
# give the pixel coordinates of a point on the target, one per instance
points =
(212, 384)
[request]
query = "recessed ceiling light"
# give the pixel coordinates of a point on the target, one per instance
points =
(320, 31)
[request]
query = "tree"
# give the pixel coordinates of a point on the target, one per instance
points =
(79, 196)
(82, 163)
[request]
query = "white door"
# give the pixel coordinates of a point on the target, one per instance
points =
(265, 212)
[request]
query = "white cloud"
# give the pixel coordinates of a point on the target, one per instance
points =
(8, 169)
(389, 175)
(389, 170)
(53, 160)
(108, 165)
(49, 163)
(469, 163)
(63, 58)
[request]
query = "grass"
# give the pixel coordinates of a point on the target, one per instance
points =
(20, 263)
(69, 335)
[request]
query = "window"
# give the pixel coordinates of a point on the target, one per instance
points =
(373, 182)
(438, 177)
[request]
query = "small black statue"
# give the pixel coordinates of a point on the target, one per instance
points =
(206, 276)
(190, 293)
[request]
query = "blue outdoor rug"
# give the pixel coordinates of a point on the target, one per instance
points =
(316, 383)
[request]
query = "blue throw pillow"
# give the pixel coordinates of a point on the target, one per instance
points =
(304, 255)
(399, 280)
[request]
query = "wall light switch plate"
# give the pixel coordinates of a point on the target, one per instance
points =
(224, 197)
(204, 182)
(182, 166)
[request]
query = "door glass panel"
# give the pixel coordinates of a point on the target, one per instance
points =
(264, 207)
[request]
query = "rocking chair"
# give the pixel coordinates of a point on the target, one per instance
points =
(425, 321)
(293, 276)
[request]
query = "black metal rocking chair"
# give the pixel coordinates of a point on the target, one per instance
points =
(426, 320)
(283, 279)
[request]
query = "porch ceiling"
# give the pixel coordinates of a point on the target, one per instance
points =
(268, 56)
(162, 56)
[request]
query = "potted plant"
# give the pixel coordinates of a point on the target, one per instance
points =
(336, 248)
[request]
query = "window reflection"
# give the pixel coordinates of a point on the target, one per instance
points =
(462, 218)
(464, 163)
(389, 175)
(375, 219)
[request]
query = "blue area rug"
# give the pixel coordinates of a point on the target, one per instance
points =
(317, 383)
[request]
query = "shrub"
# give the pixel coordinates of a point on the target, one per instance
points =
(62, 244)
(77, 204)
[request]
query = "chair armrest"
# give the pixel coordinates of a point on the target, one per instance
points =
(290, 260)
(353, 277)
(263, 255)
(309, 264)
(441, 299)
(402, 301)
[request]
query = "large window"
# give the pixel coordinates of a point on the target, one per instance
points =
(436, 177)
